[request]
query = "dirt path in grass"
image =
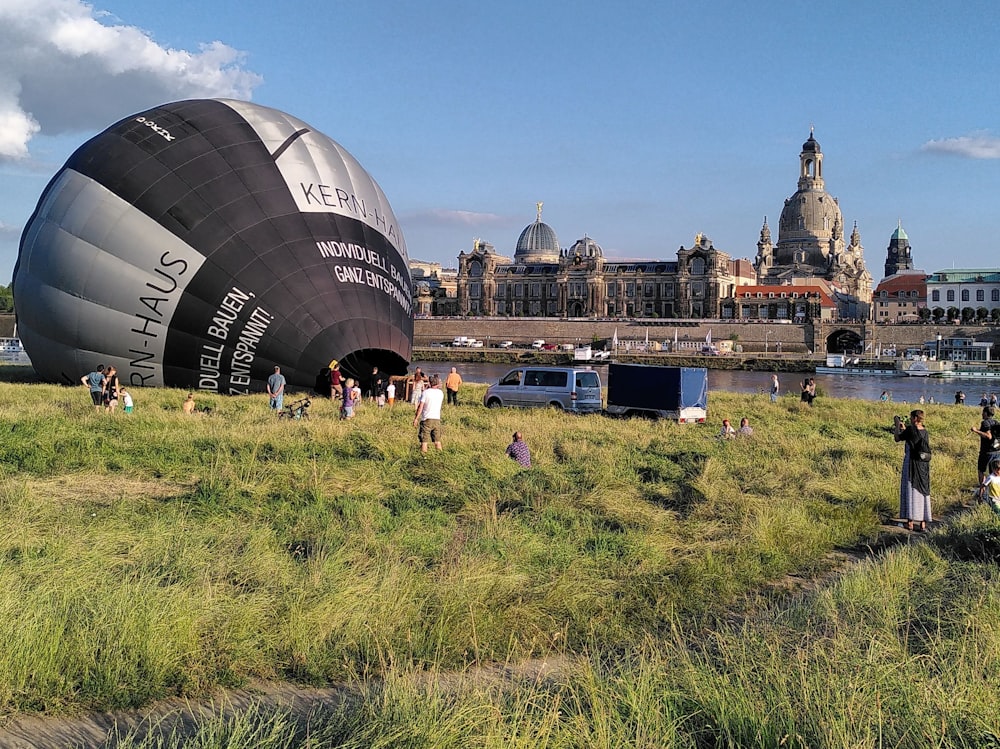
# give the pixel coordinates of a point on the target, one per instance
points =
(182, 717)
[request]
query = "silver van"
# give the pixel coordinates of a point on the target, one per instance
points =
(576, 389)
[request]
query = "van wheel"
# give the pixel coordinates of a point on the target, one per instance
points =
(493, 403)
(556, 406)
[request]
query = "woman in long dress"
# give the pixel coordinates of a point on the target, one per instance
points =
(915, 479)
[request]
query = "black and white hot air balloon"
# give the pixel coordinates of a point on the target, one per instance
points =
(201, 243)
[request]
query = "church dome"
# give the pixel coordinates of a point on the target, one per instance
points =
(585, 247)
(538, 243)
(811, 145)
(899, 233)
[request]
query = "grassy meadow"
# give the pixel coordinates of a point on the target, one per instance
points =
(682, 583)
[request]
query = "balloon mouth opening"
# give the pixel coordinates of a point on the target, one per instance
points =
(359, 364)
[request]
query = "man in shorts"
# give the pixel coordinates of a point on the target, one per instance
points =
(95, 380)
(428, 415)
(276, 389)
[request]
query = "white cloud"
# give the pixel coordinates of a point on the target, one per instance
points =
(976, 146)
(9, 232)
(444, 217)
(64, 71)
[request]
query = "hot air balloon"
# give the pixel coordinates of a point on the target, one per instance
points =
(201, 243)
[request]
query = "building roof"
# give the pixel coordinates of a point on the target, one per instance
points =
(965, 275)
(899, 233)
(749, 293)
(913, 280)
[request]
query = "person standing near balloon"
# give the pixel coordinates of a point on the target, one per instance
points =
(428, 415)
(95, 381)
(109, 389)
(336, 384)
(276, 389)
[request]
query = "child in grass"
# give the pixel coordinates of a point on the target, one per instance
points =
(126, 400)
(991, 487)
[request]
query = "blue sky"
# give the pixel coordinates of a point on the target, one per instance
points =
(639, 124)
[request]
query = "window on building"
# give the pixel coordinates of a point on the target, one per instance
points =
(551, 310)
(698, 289)
(501, 289)
(950, 294)
(610, 290)
(518, 290)
(668, 290)
(630, 289)
(698, 266)
(965, 295)
(649, 290)
(980, 295)
(475, 290)
(901, 295)
(995, 295)
(536, 290)
(501, 308)
(935, 296)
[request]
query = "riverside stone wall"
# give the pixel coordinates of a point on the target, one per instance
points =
(753, 337)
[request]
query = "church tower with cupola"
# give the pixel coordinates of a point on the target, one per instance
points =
(811, 242)
(898, 258)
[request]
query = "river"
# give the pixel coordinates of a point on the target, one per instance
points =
(901, 388)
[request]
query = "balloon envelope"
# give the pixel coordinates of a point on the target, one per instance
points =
(201, 243)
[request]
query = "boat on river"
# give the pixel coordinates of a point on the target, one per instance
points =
(845, 365)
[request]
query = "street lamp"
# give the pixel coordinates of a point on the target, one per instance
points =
(767, 333)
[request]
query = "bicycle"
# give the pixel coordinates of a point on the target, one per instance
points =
(297, 410)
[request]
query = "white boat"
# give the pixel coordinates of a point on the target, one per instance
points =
(12, 352)
(930, 368)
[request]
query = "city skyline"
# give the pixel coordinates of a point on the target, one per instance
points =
(638, 126)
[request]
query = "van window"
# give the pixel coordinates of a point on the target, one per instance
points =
(512, 378)
(587, 380)
(542, 378)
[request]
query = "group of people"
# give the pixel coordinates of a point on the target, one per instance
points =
(106, 390)
(429, 402)
(729, 432)
(915, 476)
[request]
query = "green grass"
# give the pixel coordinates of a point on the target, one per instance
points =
(152, 555)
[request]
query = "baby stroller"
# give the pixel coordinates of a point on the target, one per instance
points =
(297, 410)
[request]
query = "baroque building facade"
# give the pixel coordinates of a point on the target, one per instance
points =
(544, 280)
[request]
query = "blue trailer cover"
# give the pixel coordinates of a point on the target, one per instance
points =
(694, 387)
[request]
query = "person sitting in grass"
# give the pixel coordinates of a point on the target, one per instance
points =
(727, 432)
(518, 450)
(189, 404)
(991, 487)
(745, 429)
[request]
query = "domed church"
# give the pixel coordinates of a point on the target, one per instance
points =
(811, 241)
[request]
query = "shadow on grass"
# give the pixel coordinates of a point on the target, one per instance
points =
(668, 477)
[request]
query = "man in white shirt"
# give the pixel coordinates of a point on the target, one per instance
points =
(428, 415)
